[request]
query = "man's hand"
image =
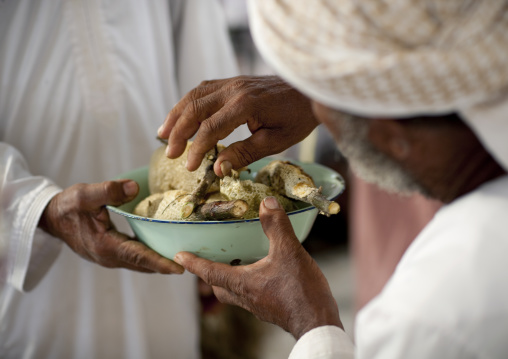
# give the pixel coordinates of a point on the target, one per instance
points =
(79, 217)
(277, 115)
(286, 288)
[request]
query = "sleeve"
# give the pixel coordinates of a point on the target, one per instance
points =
(26, 252)
(325, 342)
(386, 333)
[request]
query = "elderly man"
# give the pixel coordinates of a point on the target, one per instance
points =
(415, 94)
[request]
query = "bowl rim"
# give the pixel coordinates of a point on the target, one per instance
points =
(146, 219)
(309, 207)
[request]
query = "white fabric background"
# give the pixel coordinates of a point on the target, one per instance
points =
(84, 85)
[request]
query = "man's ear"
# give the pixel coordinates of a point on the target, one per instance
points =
(390, 137)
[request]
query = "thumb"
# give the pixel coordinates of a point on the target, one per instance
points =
(242, 153)
(112, 193)
(277, 227)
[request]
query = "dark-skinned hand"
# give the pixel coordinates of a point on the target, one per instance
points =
(286, 288)
(78, 216)
(277, 115)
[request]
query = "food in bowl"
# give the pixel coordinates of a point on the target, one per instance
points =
(177, 194)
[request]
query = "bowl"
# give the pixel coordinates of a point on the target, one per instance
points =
(232, 241)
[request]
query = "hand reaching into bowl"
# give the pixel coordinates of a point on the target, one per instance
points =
(277, 115)
(79, 217)
(286, 288)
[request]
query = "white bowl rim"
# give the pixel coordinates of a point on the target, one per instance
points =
(146, 219)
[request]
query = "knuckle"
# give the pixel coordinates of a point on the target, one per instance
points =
(199, 91)
(137, 259)
(213, 275)
(246, 155)
(132, 255)
(231, 284)
(174, 112)
(176, 135)
(240, 285)
(239, 100)
(112, 190)
(200, 145)
(210, 128)
(239, 82)
(193, 109)
(78, 194)
(195, 93)
(205, 83)
(109, 187)
(206, 275)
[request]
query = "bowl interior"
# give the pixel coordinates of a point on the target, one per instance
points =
(331, 182)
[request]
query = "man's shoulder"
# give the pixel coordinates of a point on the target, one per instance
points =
(485, 204)
(449, 281)
(466, 241)
(465, 221)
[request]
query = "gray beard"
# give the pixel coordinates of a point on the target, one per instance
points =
(370, 164)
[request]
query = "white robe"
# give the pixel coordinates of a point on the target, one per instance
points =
(448, 297)
(84, 85)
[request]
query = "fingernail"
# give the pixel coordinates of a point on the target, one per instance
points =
(178, 258)
(159, 131)
(226, 168)
(271, 202)
(167, 150)
(130, 188)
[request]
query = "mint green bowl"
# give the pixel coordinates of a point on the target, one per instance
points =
(234, 242)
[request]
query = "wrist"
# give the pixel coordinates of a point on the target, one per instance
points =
(318, 319)
(45, 221)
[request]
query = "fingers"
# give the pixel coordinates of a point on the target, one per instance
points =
(191, 119)
(277, 227)
(114, 193)
(225, 280)
(127, 253)
(204, 89)
(243, 153)
(212, 130)
(212, 273)
(78, 216)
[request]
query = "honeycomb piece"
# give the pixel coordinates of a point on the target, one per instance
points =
(168, 205)
(252, 193)
(148, 206)
(291, 180)
(166, 174)
(287, 179)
